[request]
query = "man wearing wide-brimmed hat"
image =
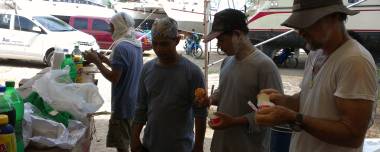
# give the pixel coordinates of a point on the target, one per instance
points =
(335, 106)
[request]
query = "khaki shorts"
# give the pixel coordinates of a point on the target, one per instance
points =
(119, 133)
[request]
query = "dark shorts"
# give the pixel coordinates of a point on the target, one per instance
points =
(119, 133)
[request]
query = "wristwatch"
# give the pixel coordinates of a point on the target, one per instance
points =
(297, 124)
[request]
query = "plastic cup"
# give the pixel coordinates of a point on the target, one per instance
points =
(214, 119)
(263, 101)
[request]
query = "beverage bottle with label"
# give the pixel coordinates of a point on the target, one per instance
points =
(76, 52)
(68, 61)
(78, 60)
(18, 104)
(7, 135)
(6, 107)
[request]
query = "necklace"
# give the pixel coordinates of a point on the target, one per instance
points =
(317, 65)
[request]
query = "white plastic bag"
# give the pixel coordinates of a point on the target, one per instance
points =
(78, 99)
(48, 133)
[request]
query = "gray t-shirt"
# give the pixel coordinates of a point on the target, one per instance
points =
(128, 58)
(241, 81)
(166, 105)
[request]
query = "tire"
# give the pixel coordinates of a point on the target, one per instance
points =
(219, 51)
(291, 62)
(197, 52)
(48, 55)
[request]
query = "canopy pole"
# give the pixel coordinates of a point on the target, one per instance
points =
(206, 24)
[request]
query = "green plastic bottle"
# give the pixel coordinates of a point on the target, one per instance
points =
(6, 107)
(18, 104)
(68, 61)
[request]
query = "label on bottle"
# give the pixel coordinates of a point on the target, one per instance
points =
(7, 143)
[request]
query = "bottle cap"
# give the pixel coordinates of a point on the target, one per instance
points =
(67, 55)
(3, 119)
(10, 84)
(2, 88)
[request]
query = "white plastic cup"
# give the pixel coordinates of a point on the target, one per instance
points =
(263, 101)
(214, 119)
(57, 59)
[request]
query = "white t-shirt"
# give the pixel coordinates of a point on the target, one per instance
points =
(349, 73)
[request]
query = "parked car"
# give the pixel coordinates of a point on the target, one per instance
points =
(31, 36)
(99, 27)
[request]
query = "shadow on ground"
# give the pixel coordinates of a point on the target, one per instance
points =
(22, 63)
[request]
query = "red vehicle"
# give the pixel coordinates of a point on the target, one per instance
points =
(100, 28)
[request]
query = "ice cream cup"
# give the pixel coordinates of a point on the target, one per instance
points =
(214, 119)
(263, 101)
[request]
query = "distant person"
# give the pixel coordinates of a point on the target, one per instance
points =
(166, 97)
(335, 106)
(243, 74)
(126, 64)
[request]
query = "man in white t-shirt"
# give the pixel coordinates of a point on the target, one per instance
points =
(337, 100)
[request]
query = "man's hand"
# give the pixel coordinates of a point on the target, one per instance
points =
(226, 121)
(201, 98)
(102, 57)
(92, 57)
(136, 145)
(275, 96)
(271, 116)
(198, 148)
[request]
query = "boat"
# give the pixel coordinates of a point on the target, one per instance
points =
(144, 12)
(66, 8)
(266, 16)
(190, 13)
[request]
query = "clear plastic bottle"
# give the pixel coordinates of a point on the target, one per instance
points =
(7, 135)
(18, 104)
(76, 52)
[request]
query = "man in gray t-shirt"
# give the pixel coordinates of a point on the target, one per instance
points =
(166, 98)
(243, 74)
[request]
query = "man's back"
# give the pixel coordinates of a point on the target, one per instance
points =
(128, 58)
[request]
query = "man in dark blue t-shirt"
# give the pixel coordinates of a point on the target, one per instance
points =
(126, 63)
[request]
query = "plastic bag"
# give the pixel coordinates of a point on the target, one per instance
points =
(46, 111)
(47, 133)
(78, 99)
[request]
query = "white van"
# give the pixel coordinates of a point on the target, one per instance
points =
(33, 36)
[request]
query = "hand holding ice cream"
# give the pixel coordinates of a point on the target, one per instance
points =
(201, 98)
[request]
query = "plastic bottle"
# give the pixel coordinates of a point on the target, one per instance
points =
(7, 135)
(6, 107)
(68, 61)
(79, 66)
(18, 104)
(78, 60)
(76, 52)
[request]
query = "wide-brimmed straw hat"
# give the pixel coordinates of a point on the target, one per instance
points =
(306, 12)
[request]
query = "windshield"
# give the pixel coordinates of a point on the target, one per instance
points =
(53, 24)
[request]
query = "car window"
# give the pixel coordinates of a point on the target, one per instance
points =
(53, 24)
(80, 23)
(66, 19)
(5, 20)
(23, 24)
(100, 25)
(352, 1)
